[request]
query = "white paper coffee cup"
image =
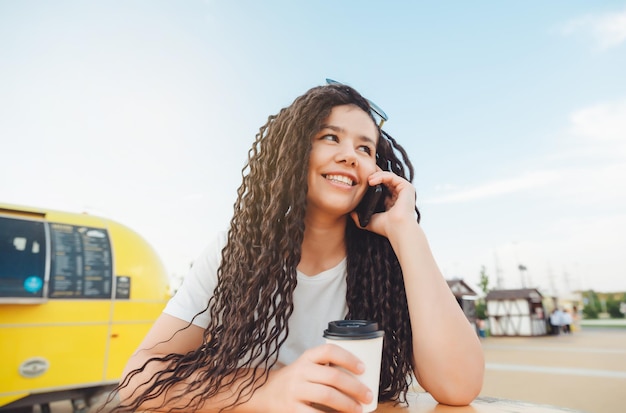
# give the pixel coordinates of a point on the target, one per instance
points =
(363, 339)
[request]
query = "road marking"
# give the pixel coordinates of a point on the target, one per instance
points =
(557, 370)
(557, 349)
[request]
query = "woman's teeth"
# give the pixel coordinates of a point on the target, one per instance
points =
(340, 178)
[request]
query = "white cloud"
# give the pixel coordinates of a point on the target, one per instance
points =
(594, 169)
(525, 182)
(608, 30)
(601, 122)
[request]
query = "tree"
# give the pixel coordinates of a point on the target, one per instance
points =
(613, 307)
(484, 280)
(591, 302)
(481, 305)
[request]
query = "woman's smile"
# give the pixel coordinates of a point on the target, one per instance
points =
(342, 179)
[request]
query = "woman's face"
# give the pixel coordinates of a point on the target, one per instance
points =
(343, 156)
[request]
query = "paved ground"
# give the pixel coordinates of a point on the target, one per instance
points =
(585, 371)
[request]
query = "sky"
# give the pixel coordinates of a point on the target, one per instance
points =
(514, 115)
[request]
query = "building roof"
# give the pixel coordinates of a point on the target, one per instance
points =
(459, 288)
(526, 293)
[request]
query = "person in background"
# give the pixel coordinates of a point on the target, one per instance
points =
(555, 321)
(575, 319)
(244, 332)
(481, 328)
(567, 321)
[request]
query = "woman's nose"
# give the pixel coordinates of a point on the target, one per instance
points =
(347, 155)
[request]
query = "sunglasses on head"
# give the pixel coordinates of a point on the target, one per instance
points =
(375, 110)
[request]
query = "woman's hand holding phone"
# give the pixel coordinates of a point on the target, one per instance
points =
(399, 203)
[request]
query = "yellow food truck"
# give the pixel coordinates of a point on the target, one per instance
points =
(77, 294)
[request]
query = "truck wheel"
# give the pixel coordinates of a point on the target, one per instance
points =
(79, 406)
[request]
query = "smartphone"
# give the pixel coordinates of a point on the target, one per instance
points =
(367, 206)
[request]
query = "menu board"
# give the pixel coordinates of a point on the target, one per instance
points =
(81, 265)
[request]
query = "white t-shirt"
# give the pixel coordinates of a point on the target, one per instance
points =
(318, 299)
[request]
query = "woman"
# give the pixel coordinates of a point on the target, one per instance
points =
(244, 332)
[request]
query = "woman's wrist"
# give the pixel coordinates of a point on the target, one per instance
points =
(403, 232)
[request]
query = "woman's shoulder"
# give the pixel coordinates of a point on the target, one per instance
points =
(219, 241)
(213, 249)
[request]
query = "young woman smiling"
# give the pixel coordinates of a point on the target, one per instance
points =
(244, 332)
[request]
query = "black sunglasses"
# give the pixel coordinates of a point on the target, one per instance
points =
(376, 111)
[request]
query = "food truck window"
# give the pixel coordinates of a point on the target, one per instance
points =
(22, 258)
(81, 262)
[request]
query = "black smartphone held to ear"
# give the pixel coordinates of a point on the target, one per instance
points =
(367, 206)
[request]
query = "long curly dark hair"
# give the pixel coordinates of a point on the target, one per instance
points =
(253, 300)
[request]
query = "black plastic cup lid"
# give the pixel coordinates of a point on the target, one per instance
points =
(352, 330)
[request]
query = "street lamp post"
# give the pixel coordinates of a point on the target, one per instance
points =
(522, 269)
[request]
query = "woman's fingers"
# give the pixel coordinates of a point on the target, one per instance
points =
(333, 371)
(337, 367)
(322, 376)
(399, 203)
(339, 380)
(323, 395)
(334, 355)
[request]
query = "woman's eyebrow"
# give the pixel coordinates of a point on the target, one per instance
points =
(332, 127)
(368, 140)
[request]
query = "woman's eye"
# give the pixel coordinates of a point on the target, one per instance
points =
(366, 149)
(333, 138)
